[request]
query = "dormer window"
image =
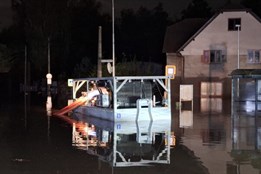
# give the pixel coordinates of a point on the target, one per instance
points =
(234, 23)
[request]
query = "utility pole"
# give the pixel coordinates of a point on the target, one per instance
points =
(49, 82)
(113, 41)
(99, 64)
(25, 86)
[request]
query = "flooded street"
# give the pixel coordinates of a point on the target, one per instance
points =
(201, 143)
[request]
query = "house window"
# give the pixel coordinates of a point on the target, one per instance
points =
(213, 56)
(253, 56)
(211, 89)
(232, 22)
(211, 96)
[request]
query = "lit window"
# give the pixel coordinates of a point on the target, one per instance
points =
(253, 56)
(211, 89)
(214, 56)
(232, 22)
(211, 96)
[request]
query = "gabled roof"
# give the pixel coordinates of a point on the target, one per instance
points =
(180, 34)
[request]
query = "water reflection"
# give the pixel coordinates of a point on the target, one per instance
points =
(246, 141)
(246, 125)
(212, 142)
(185, 119)
(209, 142)
(124, 143)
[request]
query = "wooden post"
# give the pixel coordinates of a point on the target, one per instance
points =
(99, 64)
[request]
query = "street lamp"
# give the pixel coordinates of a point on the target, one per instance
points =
(238, 28)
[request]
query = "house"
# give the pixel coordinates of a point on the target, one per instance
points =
(205, 53)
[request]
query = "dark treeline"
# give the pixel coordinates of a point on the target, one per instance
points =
(72, 29)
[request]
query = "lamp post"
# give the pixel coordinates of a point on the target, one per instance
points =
(238, 29)
(238, 61)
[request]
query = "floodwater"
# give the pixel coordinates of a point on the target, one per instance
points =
(210, 142)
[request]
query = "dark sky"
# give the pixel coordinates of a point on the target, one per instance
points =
(5, 13)
(173, 7)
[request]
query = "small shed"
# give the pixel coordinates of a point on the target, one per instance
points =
(246, 91)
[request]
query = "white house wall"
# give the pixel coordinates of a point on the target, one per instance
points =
(217, 36)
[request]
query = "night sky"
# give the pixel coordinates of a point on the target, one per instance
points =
(5, 13)
(173, 7)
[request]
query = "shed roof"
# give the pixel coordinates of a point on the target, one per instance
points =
(246, 73)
